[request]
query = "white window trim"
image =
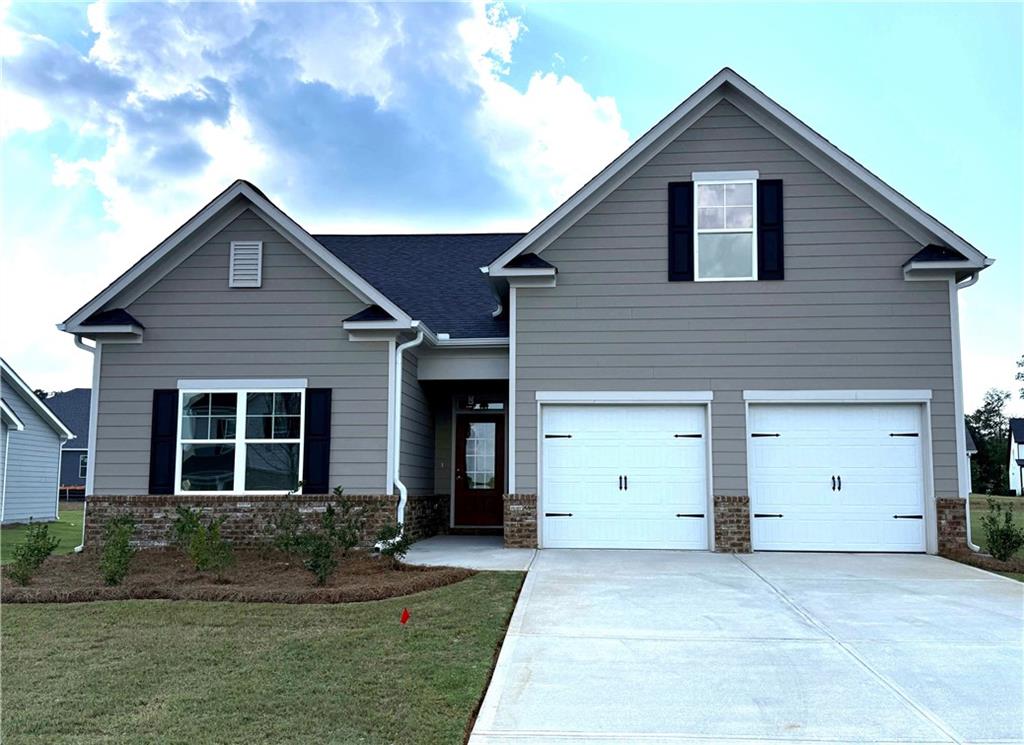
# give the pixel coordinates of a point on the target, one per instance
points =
(239, 441)
(258, 282)
(83, 460)
(839, 396)
(724, 177)
(624, 397)
(260, 385)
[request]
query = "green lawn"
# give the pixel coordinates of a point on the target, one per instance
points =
(187, 672)
(68, 529)
(979, 507)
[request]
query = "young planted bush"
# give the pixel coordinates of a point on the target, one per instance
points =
(202, 542)
(117, 550)
(392, 542)
(27, 557)
(1003, 536)
(319, 547)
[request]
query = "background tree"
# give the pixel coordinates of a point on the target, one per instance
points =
(1020, 375)
(990, 430)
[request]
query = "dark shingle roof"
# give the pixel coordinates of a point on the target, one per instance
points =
(529, 261)
(933, 252)
(1017, 428)
(112, 317)
(72, 408)
(434, 278)
(372, 313)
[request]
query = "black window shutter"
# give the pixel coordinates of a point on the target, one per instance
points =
(769, 230)
(316, 463)
(680, 232)
(163, 442)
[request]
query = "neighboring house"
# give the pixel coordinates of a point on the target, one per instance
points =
(733, 336)
(31, 437)
(1016, 464)
(972, 450)
(73, 409)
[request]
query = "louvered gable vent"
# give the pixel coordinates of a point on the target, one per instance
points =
(246, 264)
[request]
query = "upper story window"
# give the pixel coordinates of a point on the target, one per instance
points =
(240, 441)
(725, 238)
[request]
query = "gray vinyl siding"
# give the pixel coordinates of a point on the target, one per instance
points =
(417, 459)
(32, 465)
(69, 468)
(843, 318)
(198, 327)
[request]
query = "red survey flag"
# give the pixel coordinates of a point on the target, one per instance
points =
(405, 616)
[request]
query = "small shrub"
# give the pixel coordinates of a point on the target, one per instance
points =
(392, 542)
(320, 556)
(337, 532)
(1003, 536)
(207, 549)
(27, 557)
(117, 550)
(285, 530)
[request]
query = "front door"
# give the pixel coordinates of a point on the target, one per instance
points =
(479, 469)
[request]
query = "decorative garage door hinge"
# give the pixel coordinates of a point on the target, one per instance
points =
(557, 437)
(765, 434)
(767, 514)
(693, 514)
(696, 435)
(557, 514)
(908, 517)
(903, 434)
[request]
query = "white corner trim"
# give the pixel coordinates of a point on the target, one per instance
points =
(34, 402)
(724, 176)
(624, 397)
(389, 485)
(839, 396)
(11, 417)
(94, 413)
(510, 419)
(723, 85)
(243, 384)
(963, 465)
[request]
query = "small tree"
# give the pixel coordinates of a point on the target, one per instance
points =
(117, 550)
(1002, 535)
(28, 556)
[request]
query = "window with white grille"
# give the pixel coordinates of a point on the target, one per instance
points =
(246, 264)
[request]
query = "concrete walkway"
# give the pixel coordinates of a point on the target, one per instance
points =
(484, 552)
(677, 647)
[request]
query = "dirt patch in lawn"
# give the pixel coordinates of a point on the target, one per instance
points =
(256, 577)
(1015, 565)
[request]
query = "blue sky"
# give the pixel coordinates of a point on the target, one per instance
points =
(120, 120)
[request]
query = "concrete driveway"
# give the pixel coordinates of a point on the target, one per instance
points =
(679, 647)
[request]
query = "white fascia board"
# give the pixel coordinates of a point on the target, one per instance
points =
(34, 402)
(839, 396)
(393, 325)
(10, 417)
(100, 330)
(243, 384)
(680, 119)
(624, 397)
(291, 229)
(539, 271)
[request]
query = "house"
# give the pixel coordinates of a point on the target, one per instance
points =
(1016, 464)
(733, 337)
(31, 438)
(72, 407)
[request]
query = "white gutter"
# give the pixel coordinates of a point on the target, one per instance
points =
(958, 402)
(403, 493)
(94, 399)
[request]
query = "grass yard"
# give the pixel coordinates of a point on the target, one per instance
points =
(979, 507)
(68, 529)
(194, 672)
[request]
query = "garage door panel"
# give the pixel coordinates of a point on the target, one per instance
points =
(878, 475)
(667, 476)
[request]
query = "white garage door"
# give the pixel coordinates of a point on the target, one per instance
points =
(624, 477)
(843, 477)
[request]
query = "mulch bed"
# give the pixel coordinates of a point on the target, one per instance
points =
(257, 577)
(985, 561)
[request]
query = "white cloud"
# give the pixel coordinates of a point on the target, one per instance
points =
(328, 107)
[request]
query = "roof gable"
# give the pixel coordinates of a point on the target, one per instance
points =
(227, 205)
(26, 394)
(728, 85)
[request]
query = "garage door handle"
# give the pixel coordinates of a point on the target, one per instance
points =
(908, 517)
(620, 483)
(767, 514)
(557, 514)
(625, 483)
(686, 514)
(833, 483)
(839, 479)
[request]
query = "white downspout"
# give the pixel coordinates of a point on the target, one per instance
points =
(403, 493)
(958, 400)
(94, 397)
